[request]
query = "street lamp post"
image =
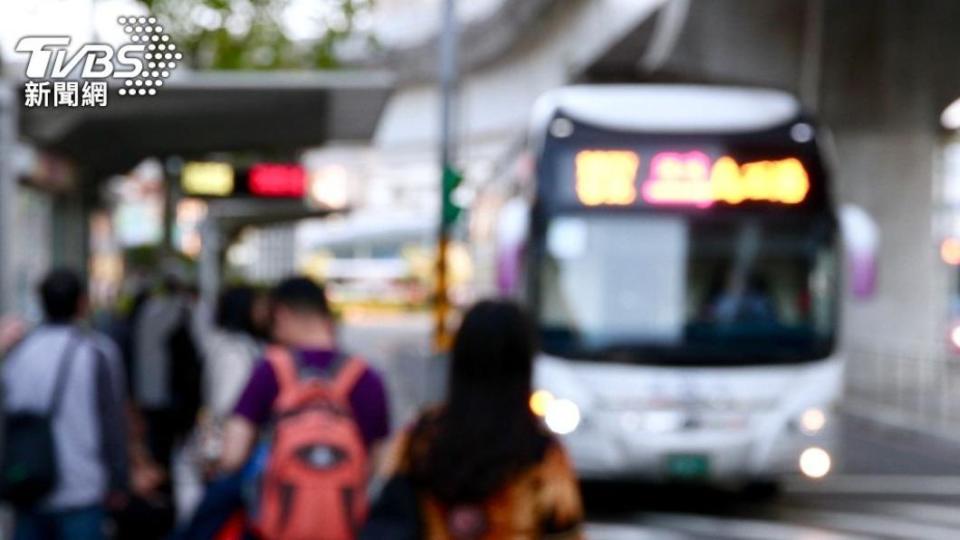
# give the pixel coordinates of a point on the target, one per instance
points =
(450, 177)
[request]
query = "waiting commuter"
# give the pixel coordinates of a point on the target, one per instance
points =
(231, 350)
(70, 379)
(166, 368)
(481, 466)
(327, 412)
(123, 328)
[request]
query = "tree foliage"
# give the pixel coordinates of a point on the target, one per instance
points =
(256, 34)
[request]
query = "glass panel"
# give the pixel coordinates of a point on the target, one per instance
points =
(662, 289)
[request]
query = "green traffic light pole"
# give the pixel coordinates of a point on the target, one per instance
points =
(450, 178)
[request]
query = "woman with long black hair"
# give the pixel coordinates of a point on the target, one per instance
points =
(482, 465)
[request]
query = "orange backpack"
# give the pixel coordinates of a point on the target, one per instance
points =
(314, 486)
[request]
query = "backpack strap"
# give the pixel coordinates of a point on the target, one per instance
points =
(341, 382)
(284, 367)
(346, 378)
(63, 372)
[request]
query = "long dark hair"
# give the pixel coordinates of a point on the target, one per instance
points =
(234, 310)
(486, 432)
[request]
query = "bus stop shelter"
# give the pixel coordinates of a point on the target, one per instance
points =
(192, 116)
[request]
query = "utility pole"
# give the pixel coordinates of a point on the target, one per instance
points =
(450, 177)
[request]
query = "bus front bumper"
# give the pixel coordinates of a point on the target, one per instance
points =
(759, 449)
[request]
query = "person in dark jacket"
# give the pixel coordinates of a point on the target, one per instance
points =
(88, 412)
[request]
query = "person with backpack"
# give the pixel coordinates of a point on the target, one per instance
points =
(327, 412)
(481, 466)
(65, 457)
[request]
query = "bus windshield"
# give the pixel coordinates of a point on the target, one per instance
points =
(687, 288)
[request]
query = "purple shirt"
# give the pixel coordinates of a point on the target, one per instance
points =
(368, 398)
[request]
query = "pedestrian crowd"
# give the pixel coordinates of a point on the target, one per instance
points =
(286, 435)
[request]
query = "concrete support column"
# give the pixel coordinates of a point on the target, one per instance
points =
(9, 108)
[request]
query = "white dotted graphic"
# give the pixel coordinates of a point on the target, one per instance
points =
(159, 56)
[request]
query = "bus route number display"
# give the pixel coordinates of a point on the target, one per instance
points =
(610, 178)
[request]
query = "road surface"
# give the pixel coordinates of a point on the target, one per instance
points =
(889, 483)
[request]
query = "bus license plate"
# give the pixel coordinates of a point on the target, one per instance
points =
(688, 466)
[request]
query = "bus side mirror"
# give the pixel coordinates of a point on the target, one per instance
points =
(861, 239)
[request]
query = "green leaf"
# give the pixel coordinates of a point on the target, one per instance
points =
(205, 30)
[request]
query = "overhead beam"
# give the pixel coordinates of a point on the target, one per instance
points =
(483, 43)
(204, 112)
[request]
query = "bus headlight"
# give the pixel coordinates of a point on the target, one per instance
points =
(539, 401)
(815, 462)
(562, 416)
(812, 421)
(955, 336)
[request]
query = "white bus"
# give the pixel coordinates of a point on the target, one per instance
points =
(681, 254)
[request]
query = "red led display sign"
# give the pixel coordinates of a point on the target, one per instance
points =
(278, 180)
